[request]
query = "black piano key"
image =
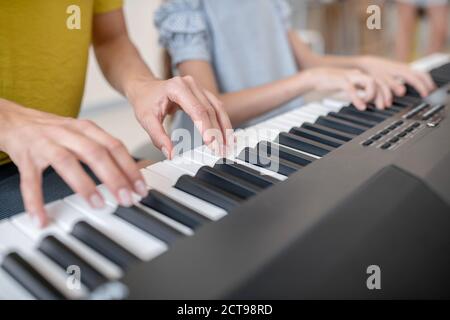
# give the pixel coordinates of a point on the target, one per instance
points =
(341, 125)
(207, 192)
(353, 119)
(443, 70)
(309, 134)
(286, 153)
(268, 162)
(364, 114)
(65, 257)
(440, 77)
(411, 91)
(227, 182)
(337, 134)
(173, 209)
(303, 144)
(406, 101)
(388, 112)
(149, 224)
(440, 81)
(25, 274)
(99, 242)
(246, 173)
(395, 108)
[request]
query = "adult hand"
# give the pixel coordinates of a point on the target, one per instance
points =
(35, 140)
(153, 100)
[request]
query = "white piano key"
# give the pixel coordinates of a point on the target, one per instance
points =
(319, 108)
(103, 265)
(155, 181)
(335, 102)
(138, 242)
(300, 119)
(264, 131)
(265, 127)
(13, 240)
(188, 166)
(166, 170)
(282, 124)
(289, 123)
(306, 116)
(204, 157)
(182, 228)
(10, 289)
(309, 112)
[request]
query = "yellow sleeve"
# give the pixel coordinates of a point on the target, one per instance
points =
(102, 6)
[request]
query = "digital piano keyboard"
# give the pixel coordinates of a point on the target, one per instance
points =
(300, 210)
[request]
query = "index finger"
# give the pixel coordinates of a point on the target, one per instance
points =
(224, 120)
(32, 195)
(194, 108)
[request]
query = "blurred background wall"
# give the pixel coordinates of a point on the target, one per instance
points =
(331, 26)
(341, 23)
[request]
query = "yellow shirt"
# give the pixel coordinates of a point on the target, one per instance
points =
(44, 51)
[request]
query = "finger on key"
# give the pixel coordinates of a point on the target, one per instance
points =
(121, 155)
(31, 189)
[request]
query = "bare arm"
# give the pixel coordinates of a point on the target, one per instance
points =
(306, 58)
(117, 56)
(151, 98)
(249, 103)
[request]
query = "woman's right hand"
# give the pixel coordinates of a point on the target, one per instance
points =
(35, 140)
(350, 81)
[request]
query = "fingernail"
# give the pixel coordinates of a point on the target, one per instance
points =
(96, 201)
(208, 139)
(141, 188)
(125, 198)
(165, 153)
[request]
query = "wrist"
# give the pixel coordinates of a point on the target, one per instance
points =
(134, 86)
(307, 79)
(361, 62)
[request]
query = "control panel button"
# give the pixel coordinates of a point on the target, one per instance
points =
(377, 137)
(394, 140)
(385, 146)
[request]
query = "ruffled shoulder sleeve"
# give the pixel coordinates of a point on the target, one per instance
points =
(183, 30)
(285, 11)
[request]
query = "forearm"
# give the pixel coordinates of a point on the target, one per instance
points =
(306, 58)
(341, 61)
(121, 63)
(244, 105)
